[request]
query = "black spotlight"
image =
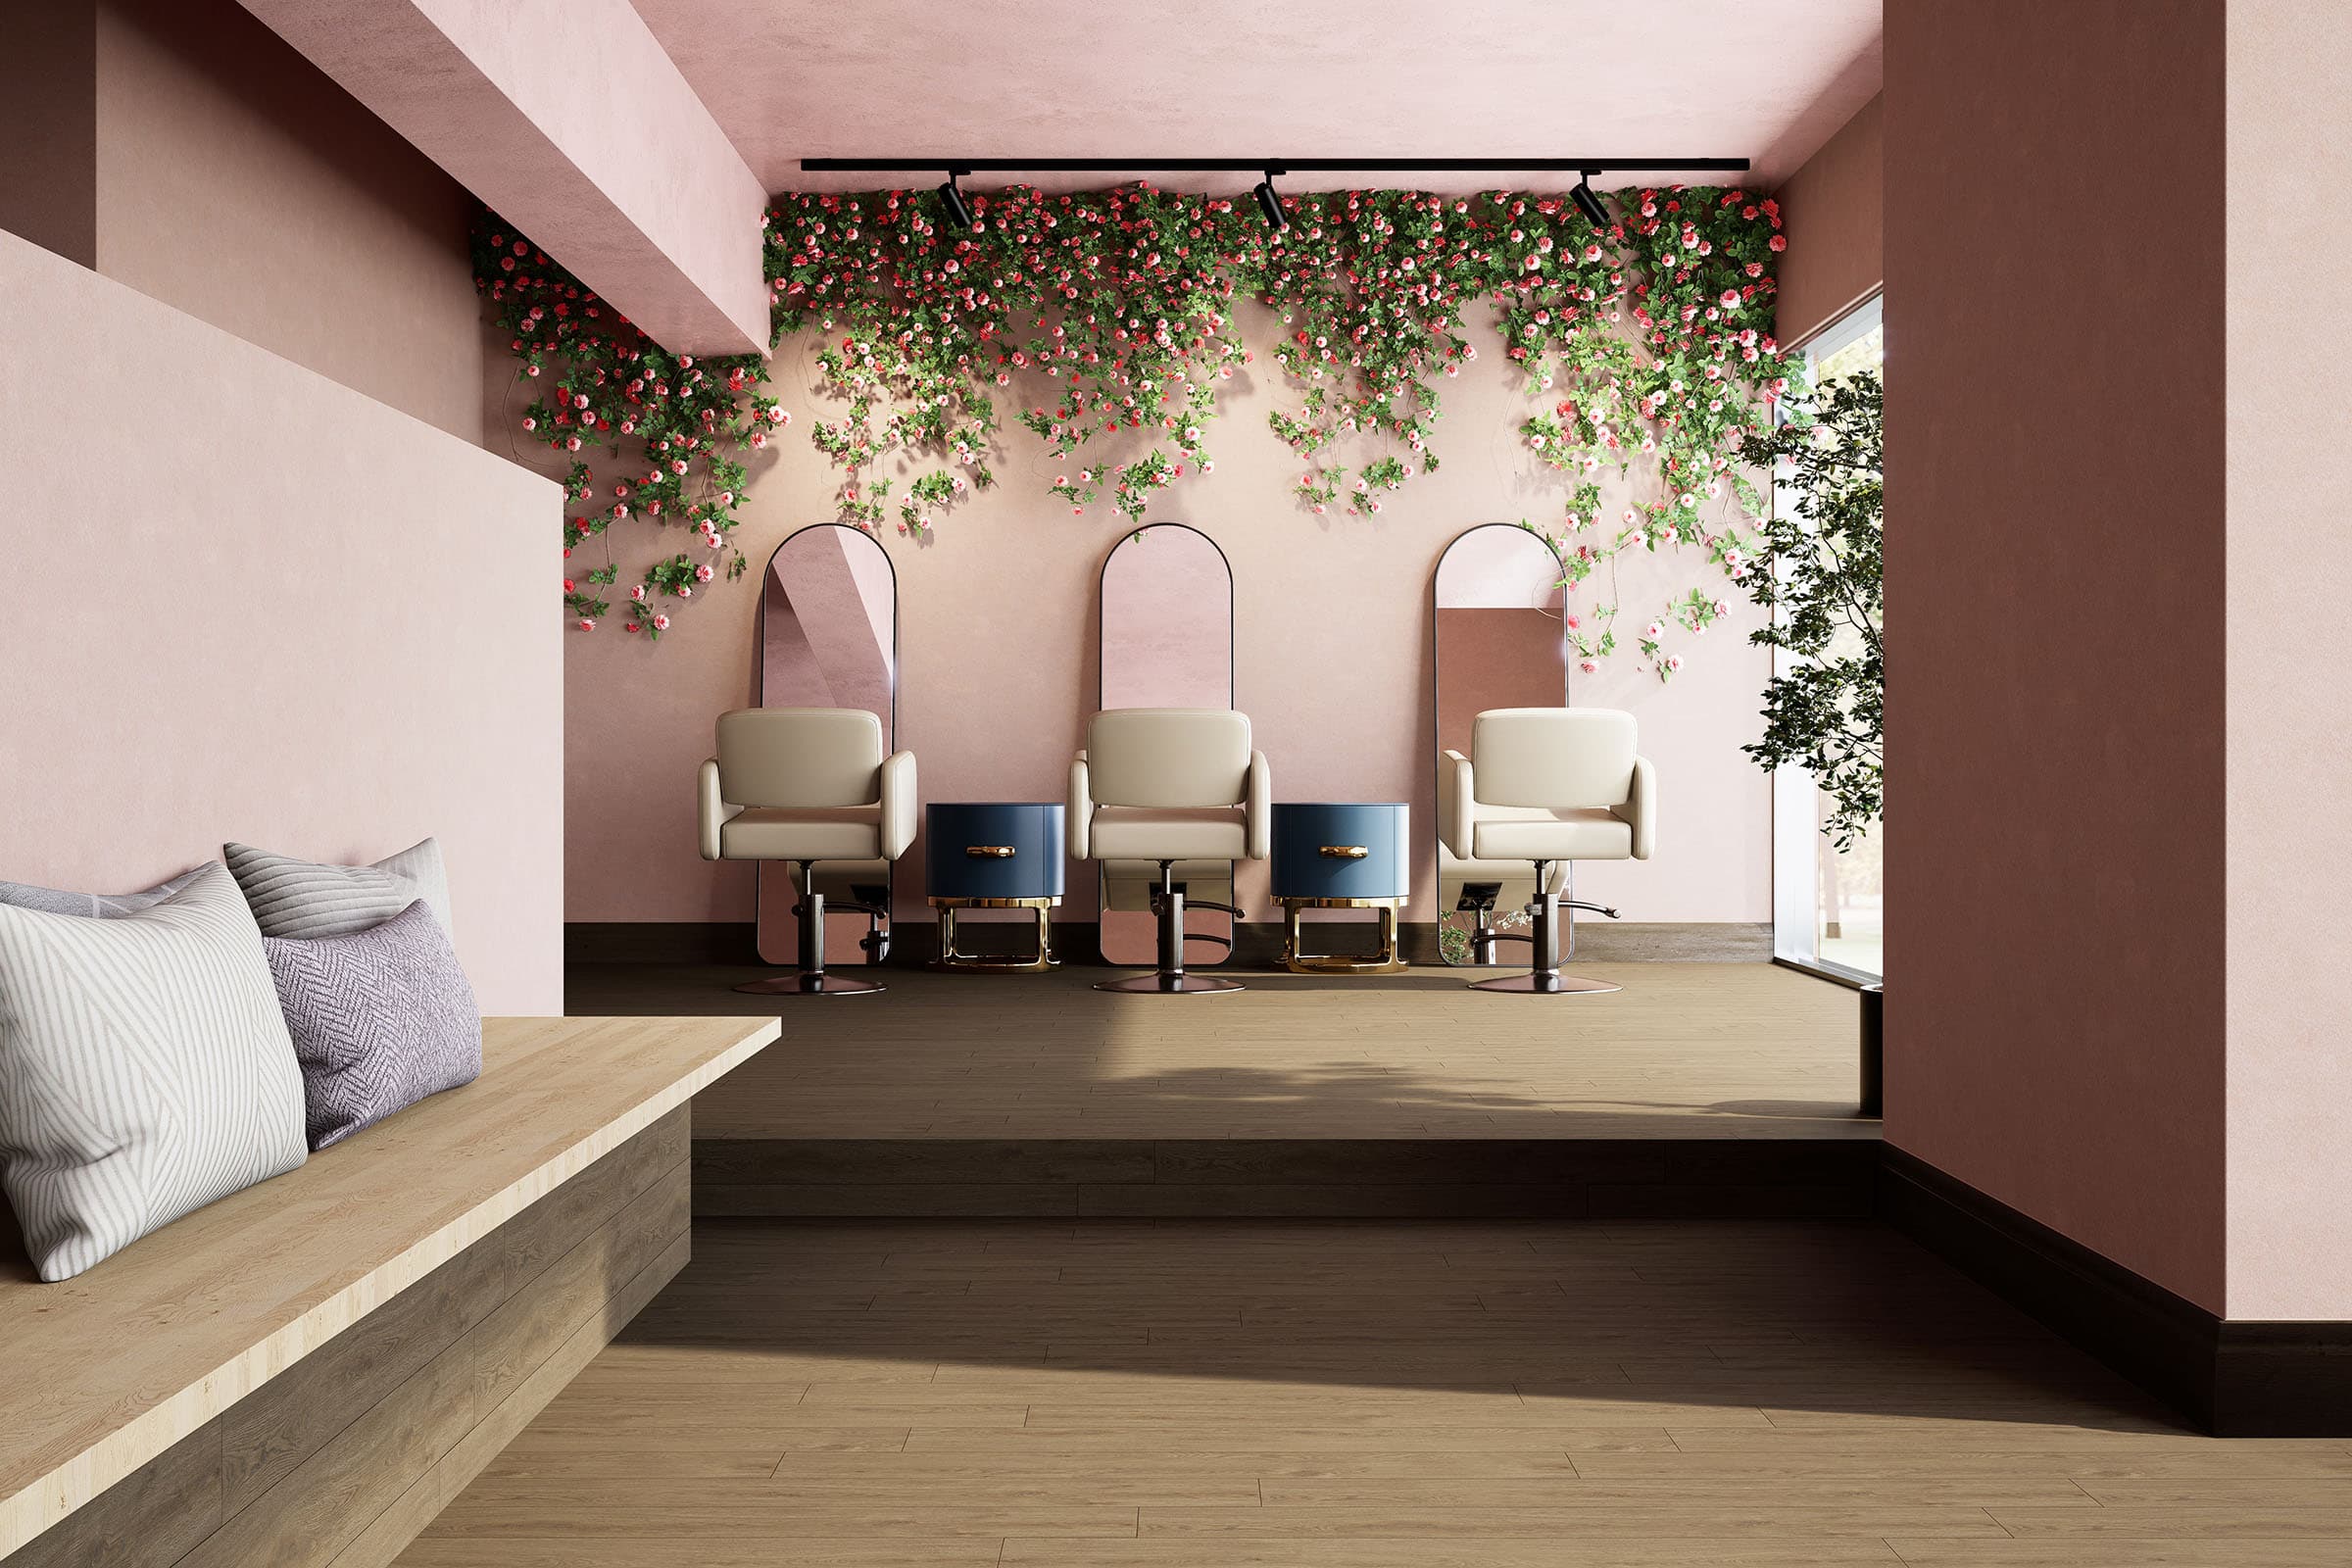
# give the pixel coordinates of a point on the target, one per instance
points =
(1586, 202)
(1270, 204)
(949, 197)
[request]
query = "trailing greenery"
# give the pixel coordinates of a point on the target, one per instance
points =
(680, 424)
(1107, 320)
(1828, 713)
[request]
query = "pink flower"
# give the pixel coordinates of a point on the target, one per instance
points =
(703, 573)
(1589, 667)
(1674, 661)
(661, 623)
(586, 624)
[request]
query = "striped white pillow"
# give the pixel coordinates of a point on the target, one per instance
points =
(145, 1070)
(305, 899)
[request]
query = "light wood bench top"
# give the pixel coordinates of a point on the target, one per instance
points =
(101, 1373)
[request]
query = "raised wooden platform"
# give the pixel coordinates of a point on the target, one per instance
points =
(304, 1372)
(1698, 1089)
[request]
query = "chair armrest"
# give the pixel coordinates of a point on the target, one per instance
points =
(898, 803)
(1079, 819)
(1257, 808)
(712, 813)
(1457, 790)
(1641, 809)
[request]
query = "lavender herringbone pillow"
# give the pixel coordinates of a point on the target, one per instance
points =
(380, 1019)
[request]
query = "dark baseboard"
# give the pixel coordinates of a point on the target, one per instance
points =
(2235, 1380)
(1257, 943)
(1235, 1177)
(600, 942)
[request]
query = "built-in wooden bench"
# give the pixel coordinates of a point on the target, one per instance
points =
(306, 1372)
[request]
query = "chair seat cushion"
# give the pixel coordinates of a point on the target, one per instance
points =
(1169, 833)
(803, 833)
(1587, 835)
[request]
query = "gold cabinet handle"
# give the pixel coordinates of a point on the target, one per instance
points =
(989, 852)
(1346, 851)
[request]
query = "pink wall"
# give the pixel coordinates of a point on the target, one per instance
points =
(1837, 225)
(257, 605)
(2055, 597)
(2290, 835)
(997, 650)
(567, 118)
(216, 170)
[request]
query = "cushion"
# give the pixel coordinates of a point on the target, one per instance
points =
(145, 1069)
(302, 898)
(380, 1019)
(803, 833)
(1559, 836)
(25, 896)
(1169, 833)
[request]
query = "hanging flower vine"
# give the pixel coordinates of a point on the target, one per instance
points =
(1109, 318)
(676, 427)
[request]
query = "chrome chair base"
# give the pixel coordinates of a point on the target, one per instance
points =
(1547, 979)
(1180, 984)
(803, 983)
(1541, 984)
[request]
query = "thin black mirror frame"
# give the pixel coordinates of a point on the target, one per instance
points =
(1437, 688)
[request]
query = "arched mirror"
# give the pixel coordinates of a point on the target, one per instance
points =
(1166, 608)
(1500, 641)
(829, 638)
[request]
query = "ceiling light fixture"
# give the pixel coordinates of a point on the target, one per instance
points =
(960, 213)
(1270, 203)
(1586, 202)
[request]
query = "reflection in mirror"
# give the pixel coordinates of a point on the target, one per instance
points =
(1500, 642)
(1167, 642)
(829, 638)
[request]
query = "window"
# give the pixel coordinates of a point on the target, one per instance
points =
(1828, 906)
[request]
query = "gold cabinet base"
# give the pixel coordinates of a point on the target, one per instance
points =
(1389, 960)
(990, 963)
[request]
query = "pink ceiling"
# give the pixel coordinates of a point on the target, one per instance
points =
(1765, 79)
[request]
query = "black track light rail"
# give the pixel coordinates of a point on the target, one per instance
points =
(1276, 165)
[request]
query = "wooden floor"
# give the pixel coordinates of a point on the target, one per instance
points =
(1443, 1394)
(1735, 1050)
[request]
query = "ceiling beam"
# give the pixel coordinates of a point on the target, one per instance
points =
(567, 119)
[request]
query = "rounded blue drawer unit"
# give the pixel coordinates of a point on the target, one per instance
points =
(994, 850)
(1317, 849)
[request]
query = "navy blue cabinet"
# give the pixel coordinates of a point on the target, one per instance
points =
(1342, 855)
(994, 854)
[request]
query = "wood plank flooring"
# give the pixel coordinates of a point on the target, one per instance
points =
(1726, 1051)
(1317, 1394)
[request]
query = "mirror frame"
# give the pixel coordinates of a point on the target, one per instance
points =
(843, 944)
(1437, 718)
(1205, 955)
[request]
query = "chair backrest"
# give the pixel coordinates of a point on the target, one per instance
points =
(800, 756)
(1559, 759)
(1168, 757)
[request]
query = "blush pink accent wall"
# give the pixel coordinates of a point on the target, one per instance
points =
(2055, 595)
(2288, 831)
(256, 604)
(999, 648)
(569, 121)
(1835, 210)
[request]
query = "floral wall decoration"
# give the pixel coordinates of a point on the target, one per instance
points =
(1106, 320)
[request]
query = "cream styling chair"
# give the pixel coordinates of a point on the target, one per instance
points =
(806, 785)
(1167, 786)
(1549, 785)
